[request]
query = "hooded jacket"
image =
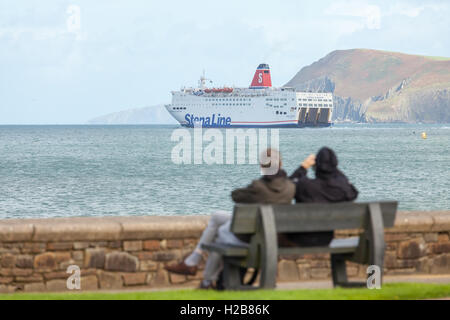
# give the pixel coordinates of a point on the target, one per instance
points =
(330, 184)
(275, 188)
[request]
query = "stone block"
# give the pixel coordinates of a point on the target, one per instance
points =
(21, 272)
(320, 273)
(133, 279)
(33, 247)
(412, 221)
(24, 261)
(56, 275)
(430, 237)
(80, 245)
(304, 271)
(115, 244)
(56, 246)
(440, 264)
(441, 220)
(94, 258)
(148, 265)
(89, 283)
(441, 247)
(443, 237)
(160, 278)
(45, 261)
(121, 261)
(57, 285)
(34, 287)
(132, 245)
(151, 245)
(62, 257)
(31, 278)
(7, 260)
(144, 255)
(177, 278)
(162, 227)
(78, 255)
(164, 256)
(6, 280)
(412, 249)
(73, 229)
(110, 280)
(15, 230)
(174, 244)
(287, 271)
(7, 288)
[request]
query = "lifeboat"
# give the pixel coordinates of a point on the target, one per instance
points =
(227, 90)
(208, 90)
(216, 90)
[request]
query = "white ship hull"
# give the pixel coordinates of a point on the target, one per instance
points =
(257, 106)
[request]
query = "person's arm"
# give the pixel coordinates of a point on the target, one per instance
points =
(302, 170)
(298, 174)
(249, 194)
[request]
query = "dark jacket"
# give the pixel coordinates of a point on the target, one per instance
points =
(268, 189)
(275, 188)
(330, 185)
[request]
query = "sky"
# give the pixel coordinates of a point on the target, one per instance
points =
(65, 62)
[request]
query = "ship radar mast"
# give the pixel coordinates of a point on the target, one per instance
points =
(202, 81)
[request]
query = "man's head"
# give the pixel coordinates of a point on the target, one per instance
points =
(270, 161)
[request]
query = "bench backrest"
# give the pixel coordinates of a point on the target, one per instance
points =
(310, 217)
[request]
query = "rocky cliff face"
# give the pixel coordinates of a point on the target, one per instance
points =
(378, 86)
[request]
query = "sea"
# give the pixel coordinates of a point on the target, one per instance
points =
(125, 170)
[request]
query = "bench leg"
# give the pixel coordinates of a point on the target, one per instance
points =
(231, 276)
(338, 270)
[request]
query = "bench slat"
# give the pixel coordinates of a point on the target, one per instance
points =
(226, 250)
(311, 217)
(346, 245)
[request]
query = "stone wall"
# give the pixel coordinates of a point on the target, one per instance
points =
(130, 252)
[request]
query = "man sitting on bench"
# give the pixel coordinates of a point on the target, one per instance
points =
(273, 187)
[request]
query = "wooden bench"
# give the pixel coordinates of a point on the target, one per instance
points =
(261, 223)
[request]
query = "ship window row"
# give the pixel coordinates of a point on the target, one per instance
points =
(315, 105)
(324, 100)
(280, 112)
(276, 99)
(231, 104)
(229, 99)
(179, 108)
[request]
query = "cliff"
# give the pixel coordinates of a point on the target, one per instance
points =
(380, 86)
(146, 115)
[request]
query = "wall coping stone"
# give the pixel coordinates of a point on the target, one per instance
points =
(167, 227)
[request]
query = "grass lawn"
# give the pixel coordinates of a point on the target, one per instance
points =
(390, 291)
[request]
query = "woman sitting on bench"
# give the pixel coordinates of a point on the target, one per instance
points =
(330, 185)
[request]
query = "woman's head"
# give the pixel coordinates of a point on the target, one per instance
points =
(326, 162)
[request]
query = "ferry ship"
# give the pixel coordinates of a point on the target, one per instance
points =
(259, 106)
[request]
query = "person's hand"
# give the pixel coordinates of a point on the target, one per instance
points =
(309, 161)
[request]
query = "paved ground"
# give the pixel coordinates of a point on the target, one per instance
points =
(326, 284)
(319, 284)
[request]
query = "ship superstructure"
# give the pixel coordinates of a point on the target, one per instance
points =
(260, 105)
